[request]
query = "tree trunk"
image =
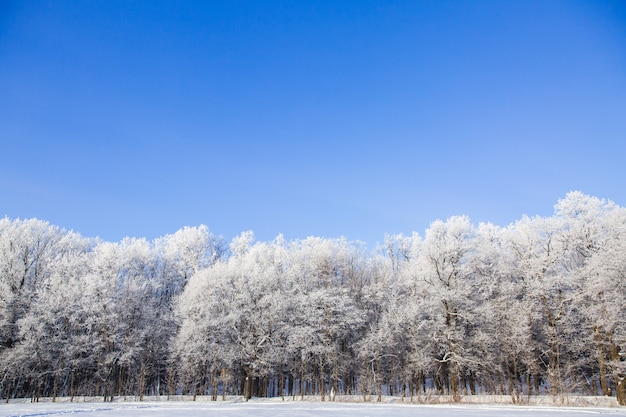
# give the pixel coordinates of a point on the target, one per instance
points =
(364, 388)
(214, 385)
(378, 380)
(170, 382)
(55, 386)
(620, 383)
(602, 364)
(248, 388)
(454, 382)
(335, 383)
(472, 383)
(195, 385)
(142, 380)
(322, 389)
(620, 391)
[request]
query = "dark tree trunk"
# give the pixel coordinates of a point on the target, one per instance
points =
(620, 391)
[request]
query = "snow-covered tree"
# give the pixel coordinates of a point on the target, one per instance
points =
(595, 235)
(534, 306)
(445, 287)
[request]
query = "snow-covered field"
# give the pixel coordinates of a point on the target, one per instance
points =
(291, 409)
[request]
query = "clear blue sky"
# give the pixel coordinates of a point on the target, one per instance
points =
(326, 118)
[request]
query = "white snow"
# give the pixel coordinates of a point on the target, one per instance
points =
(291, 409)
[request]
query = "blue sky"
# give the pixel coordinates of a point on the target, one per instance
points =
(326, 118)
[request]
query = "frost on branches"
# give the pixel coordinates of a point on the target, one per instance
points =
(535, 308)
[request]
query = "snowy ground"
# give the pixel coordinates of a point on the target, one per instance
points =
(291, 409)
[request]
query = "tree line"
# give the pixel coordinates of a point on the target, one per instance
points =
(533, 308)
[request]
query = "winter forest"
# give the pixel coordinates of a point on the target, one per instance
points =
(534, 308)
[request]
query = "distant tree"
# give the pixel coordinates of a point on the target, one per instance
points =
(595, 236)
(30, 253)
(515, 310)
(444, 268)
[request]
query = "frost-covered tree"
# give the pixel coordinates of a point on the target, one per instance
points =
(31, 254)
(184, 253)
(26, 247)
(522, 309)
(327, 320)
(385, 348)
(201, 349)
(231, 315)
(537, 249)
(595, 235)
(446, 281)
(502, 344)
